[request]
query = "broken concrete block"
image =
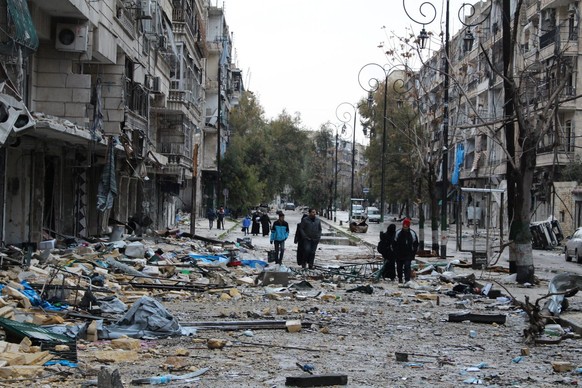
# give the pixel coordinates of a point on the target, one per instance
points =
(13, 292)
(327, 297)
(216, 343)
(293, 326)
(182, 352)
(92, 332)
(562, 366)
(7, 312)
(126, 343)
(116, 355)
(224, 296)
(427, 296)
(234, 293)
(246, 281)
(20, 371)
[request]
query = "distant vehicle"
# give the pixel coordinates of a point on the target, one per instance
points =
(289, 206)
(358, 210)
(374, 214)
(573, 248)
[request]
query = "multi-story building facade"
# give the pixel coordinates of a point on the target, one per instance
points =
(105, 105)
(223, 90)
(548, 37)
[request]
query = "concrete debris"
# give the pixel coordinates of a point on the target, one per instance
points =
(173, 301)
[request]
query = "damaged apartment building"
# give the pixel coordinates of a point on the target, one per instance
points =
(547, 44)
(111, 111)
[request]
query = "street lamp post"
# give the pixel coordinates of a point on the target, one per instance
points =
(371, 85)
(467, 46)
(337, 138)
(344, 112)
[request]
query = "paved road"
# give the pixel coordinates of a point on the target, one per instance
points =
(547, 263)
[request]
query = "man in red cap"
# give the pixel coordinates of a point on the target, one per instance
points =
(405, 247)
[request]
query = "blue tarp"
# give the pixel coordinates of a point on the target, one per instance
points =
(36, 300)
(209, 258)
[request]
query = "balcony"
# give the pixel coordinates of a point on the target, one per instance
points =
(559, 40)
(179, 158)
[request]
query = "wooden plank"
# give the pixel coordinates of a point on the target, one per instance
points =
(316, 380)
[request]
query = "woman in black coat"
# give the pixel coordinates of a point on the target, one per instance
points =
(386, 248)
(266, 224)
(256, 226)
(299, 241)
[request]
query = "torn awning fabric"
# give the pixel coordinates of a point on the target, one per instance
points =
(23, 32)
(107, 190)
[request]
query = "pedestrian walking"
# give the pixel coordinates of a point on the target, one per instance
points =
(246, 223)
(220, 218)
(386, 249)
(310, 230)
(265, 224)
(211, 215)
(256, 227)
(405, 248)
(279, 234)
(300, 247)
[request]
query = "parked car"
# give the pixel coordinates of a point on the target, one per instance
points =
(289, 206)
(374, 214)
(357, 210)
(573, 248)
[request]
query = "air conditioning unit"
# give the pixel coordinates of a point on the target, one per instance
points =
(156, 85)
(72, 37)
(146, 9)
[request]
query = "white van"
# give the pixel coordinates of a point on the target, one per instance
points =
(373, 214)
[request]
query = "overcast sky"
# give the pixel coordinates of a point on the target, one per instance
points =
(304, 55)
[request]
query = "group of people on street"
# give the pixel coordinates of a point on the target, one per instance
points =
(216, 215)
(398, 248)
(260, 222)
(307, 236)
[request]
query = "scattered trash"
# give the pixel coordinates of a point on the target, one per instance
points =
(367, 289)
(566, 285)
(167, 378)
(306, 367)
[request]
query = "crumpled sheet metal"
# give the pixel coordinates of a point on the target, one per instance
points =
(560, 283)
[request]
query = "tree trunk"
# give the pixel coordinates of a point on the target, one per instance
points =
(509, 110)
(522, 238)
(420, 217)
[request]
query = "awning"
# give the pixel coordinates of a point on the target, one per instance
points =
(23, 31)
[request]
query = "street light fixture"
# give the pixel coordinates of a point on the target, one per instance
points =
(344, 112)
(467, 46)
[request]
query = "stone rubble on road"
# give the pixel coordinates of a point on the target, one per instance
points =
(209, 310)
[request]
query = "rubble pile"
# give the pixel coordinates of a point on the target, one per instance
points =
(179, 310)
